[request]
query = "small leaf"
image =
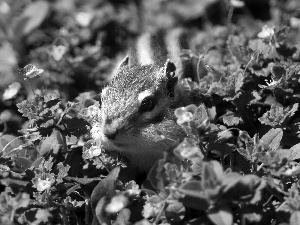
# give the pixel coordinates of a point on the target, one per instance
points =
(30, 71)
(295, 152)
(194, 195)
(231, 120)
(62, 172)
(175, 212)
(76, 126)
(9, 145)
(51, 143)
(221, 215)
(272, 138)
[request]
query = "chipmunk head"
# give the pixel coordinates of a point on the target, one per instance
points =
(135, 107)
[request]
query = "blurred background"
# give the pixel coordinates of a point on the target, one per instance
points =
(78, 43)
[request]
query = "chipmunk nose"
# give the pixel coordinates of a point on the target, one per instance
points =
(111, 135)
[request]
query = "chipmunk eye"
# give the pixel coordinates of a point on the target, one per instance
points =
(147, 104)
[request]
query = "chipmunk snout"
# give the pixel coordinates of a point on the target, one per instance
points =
(110, 135)
(109, 129)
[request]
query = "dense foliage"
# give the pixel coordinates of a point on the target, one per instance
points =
(240, 161)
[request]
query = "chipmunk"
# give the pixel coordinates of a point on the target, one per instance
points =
(138, 105)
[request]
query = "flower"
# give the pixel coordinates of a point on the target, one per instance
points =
(237, 3)
(185, 114)
(295, 22)
(91, 149)
(57, 52)
(266, 32)
(4, 8)
(30, 71)
(43, 181)
(116, 204)
(187, 149)
(12, 90)
(59, 48)
(83, 19)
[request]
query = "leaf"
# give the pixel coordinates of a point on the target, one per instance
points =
(123, 217)
(30, 71)
(278, 71)
(100, 212)
(84, 181)
(212, 174)
(278, 116)
(231, 120)
(76, 126)
(32, 17)
(220, 215)
(31, 108)
(23, 162)
(51, 143)
(62, 172)
(295, 218)
(194, 195)
(295, 152)
(8, 145)
(238, 187)
(175, 212)
(268, 51)
(106, 187)
(37, 216)
(272, 138)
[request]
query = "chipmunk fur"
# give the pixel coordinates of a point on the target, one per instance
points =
(138, 106)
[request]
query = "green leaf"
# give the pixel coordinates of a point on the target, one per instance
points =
(272, 138)
(123, 217)
(230, 120)
(212, 174)
(295, 218)
(295, 152)
(37, 216)
(9, 144)
(194, 195)
(76, 126)
(62, 172)
(220, 215)
(23, 162)
(106, 187)
(238, 187)
(32, 17)
(175, 212)
(51, 143)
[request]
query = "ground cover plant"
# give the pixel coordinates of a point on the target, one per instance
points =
(240, 161)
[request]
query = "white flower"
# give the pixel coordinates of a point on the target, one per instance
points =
(96, 131)
(237, 3)
(58, 51)
(42, 185)
(12, 90)
(83, 19)
(295, 22)
(266, 32)
(4, 8)
(116, 204)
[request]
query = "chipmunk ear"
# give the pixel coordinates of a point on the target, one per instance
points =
(124, 65)
(169, 71)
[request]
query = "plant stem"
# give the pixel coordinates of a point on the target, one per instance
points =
(62, 133)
